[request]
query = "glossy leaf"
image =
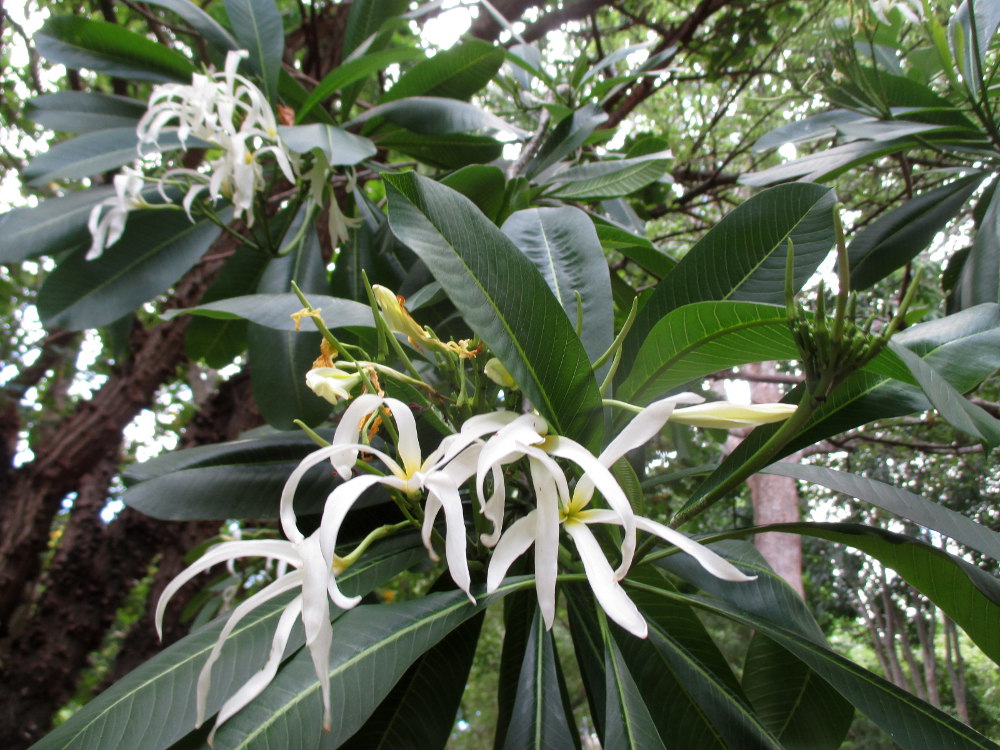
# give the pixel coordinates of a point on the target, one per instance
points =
(451, 151)
(84, 111)
(540, 718)
(742, 258)
(239, 479)
(89, 154)
(979, 281)
(609, 179)
(563, 246)
(899, 501)
(200, 21)
(627, 720)
(385, 640)
(812, 128)
(566, 137)
(370, 249)
(825, 165)
(483, 185)
(280, 359)
(435, 115)
(950, 404)
(420, 710)
(154, 706)
(455, 73)
(354, 70)
(339, 146)
(158, 247)
(258, 28)
(900, 235)
(695, 340)
(502, 297)
(803, 711)
(50, 228)
(107, 48)
(912, 723)
(275, 311)
(637, 249)
(970, 32)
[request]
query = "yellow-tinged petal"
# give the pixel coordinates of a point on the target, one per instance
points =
(726, 415)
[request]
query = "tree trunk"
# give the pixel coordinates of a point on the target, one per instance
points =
(926, 627)
(776, 500)
(956, 668)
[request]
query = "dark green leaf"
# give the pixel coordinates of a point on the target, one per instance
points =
(154, 705)
(339, 146)
(434, 115)
(562, 244)
(539, 718)
(89, 154)
(812, 128)
(627, 720)
(50, 228)
(275, 311)
(825, 165)
(970, 39)
(979, 281)
(370, 249)
(445, 151)
(743, 256)
(158, 247)
(566, 137)
(78, 42)
(637, 249)
(455, 73)
(502, 297)
(83, 111)
(483, 185)
(420, 710)
(201, 22)
(903, 503)
(797, 705)
(608, 179)
(896, 238)
(258, 28)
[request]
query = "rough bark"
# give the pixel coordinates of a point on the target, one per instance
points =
(775, 499)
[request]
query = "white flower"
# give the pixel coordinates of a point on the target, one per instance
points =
(332, 383)
(311, 572)
(439, 475)
(106, 230)
(726, 415)
(555, 507)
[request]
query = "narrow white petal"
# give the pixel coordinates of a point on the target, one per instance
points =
(610, 595)
(285, 583)
(286, 513)
(316, 576)
(726, 415)
(431, 508)
(256, 684)
(445, 491)
(715, 564)
(644, 426)
(408, 447)
(515, 541)
(546, 539)
(349, 430)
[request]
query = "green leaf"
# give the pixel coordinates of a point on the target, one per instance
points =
(627, 720)
(637, 249)
(339, 146)
(979, 281)
(897, 237)
(455, 73)
(912, 723)
(110, 49)
(366, 18)
(52, 227)
(825, 165)
(970, 39)
(450, 151)
(158, 247)
(218, 341)
(434, 115)
(374, 646)
(154, 705)
(420, 710)
(812, 128)
(279, 359)
(200, 21)
(275, 310)
(370, 249)
(566, 137)
(563, 246)
(257, 26)
(354, 70)
(540, 718)
(969, 595)
(238, 479)
(609, 179)
(695, 340)
(742, 258)
(483, 185)
(798, 706)
(89, 154)
(502, 297)
(903, 503)
(83, 111)
(950, 404)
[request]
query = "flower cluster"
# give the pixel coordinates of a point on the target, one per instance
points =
(564, 477)
(223, 112)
